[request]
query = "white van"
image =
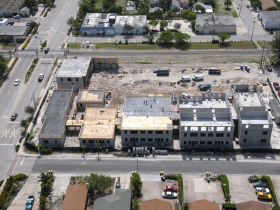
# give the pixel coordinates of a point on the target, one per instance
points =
(198, 77)
(185, 79)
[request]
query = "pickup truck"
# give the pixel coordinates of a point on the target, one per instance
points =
(29, 203)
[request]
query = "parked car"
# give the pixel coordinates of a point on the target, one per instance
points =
(29, 203)
(262, 189)
(269, 67)
(257, 9)
(40, 77)
(260, 184)
(279, 93)
(17, 81)
(27, 24)
(17, 17)
(263, 195)
(118, 185)
(247, 6)
(14, 116)
(170, 188)
(169, 194)
(276, 85)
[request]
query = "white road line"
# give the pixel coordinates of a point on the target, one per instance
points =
(6, 145)
(22, 161)
(13, 122)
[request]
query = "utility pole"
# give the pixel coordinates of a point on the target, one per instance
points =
(262, 52)
(33, 98)
(240, 7)
(253, 29)
(37, 53)
(137, 166)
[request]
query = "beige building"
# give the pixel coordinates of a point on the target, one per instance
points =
(215, 23)
(93, 98)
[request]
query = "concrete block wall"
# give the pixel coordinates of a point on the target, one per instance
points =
(92, 142)
(57, 142)
(70, 83)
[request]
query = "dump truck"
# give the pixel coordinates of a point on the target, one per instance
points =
(204, 87)
(29, 203)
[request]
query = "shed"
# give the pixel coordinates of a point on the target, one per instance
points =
(75, 197)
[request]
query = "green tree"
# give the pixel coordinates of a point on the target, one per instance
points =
(146, 28)
(151, 39)
(275, 45)
(165, 36)
(199, 7)
(3, 65)
(185, 13)
(193, 25)
(223, 36)
(29, 110)
(209, 2)
(6, 39)
(163, 24)
(136, 184)
(256, 4)
(70, 21)
(44, 178)
(30, 3)
(39, 146)
(169, 14)
(153, 23)
(227, 3)
(99, 183)
(135, 203)
(127, 28)
(272, 9)
(33, 24)
(23, 123)
(185, 206)
(181, 37)
(83, 148)
(191, 16)
(177, 26)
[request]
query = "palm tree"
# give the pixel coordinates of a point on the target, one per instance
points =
(98, 144)
(44, 178)
(39, 147)
(83, 148)
(227, 3)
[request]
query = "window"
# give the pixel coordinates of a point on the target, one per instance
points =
(185, 142)
(246, 132)
(130, 139)
(263, 140)
(227, 142)
(193, 134)
(219, 135)
(125, 132)
(167, 132)
(61, 79)
(45, 141)
(196, 142)
(222, 142)
(90, 141)
(133, 132)
(209, 142)
(81, 105)
(202, 142)
(216, 142)
(103, 141)
(202, 135)
(190, 142)
(210, 134)
(167, 140)
(150, 139)
(55, 141)
(84, 141)
(244, 140)
(159, 132)
(150, 132)
(125, 139)
(108, 142)
(143, 139)
(142, 132)
(69, 79)
(77, 79)
(185, 134)
(264, 133)
(228, 135)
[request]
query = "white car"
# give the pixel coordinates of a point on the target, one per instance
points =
(17, 17)
(169, 194)
(17, 82)
(262, 189)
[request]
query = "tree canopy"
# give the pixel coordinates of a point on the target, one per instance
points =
(29, 110)
(153, 23)
(165, 36)
(181, 37)
(127, 28)
(223, 36)
(163, 24)
(272, 9)
(3, 65)
(227, 3)
(191, 16)
(210, 2)
(177, 26)
(136, 183)
(256, 4)
(275, 45)
(99, 183)
(198, 7)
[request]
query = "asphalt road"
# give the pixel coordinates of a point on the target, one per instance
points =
(147, 166)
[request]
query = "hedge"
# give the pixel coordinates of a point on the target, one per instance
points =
(181, 188)
(45, 151)
(17, 148)
(44, 43)
(229, 206)
(1, 182)
(32, 67)
(55, 62)
(20, 139)
(271, 188)
(171, 176)
(25, 43)
(225, 186)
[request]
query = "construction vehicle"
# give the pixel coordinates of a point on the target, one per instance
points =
(174, 101)
(198, 77)
(203, 87)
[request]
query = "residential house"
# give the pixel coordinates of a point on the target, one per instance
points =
(203, 205)
(267, 4)
(10, 8)
(155, 204)
(270, 19)
(75, 197)
(155, 3)
(252, 205)
(184, 3)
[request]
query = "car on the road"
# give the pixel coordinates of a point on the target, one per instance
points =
(170, 188)
(260, 184)
(169, 194)
(17, 81)
(27, 24)
(276, 85)
(264, 196)
(262, 189)
(269, 67)
(33, 13)
(14, 116)
(17, 17)
(247, 6)
(40, 77)
(257, 9)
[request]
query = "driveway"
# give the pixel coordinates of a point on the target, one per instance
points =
(29, 189)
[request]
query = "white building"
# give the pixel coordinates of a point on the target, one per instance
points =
(208, 8)
(24, 12)
(4, 22)
(270, 19)
(111, 24)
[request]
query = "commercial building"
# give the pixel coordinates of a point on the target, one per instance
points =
(111, 24)
(74, 73)
(105, 63)
(205, 121)
(53, 131)
(215, 23)
(15, 32)
(88, 97)
(75, 197)
(267, 4)
(10, 8)
(147, 121)
(254, 123)
(275, 110)
(270, 19)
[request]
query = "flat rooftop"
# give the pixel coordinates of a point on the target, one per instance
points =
(217, 19)
(247, 99)
(254, 120)
(152, 123)
(13, 30)
(208, 103)
(74, 67)
(86, 95)
(54, 124)
(207, 122)
(10, 6)
(135, 20)
(100, 113)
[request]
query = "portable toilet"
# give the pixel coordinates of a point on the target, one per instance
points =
(248, 69)
(241, 67)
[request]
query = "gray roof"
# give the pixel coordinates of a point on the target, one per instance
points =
(12, 30)
(217, 19)
(54, 125)
(74, 67)
(10, 6)
(270, 16)
(274, 104)
(118, 201)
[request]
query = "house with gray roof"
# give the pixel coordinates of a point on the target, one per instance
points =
(270, 19)
(215, 23)
(118, 201)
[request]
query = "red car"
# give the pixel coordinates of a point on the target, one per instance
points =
(170, 188)
(279, 93)
(276, 85)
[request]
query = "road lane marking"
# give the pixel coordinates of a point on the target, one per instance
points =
(13, 122)
(6, 145)
(22, 161)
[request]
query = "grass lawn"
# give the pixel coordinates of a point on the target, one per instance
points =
(193, 45)
(118, 3)
(75, 45)
(267, 43)
(221, 8)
